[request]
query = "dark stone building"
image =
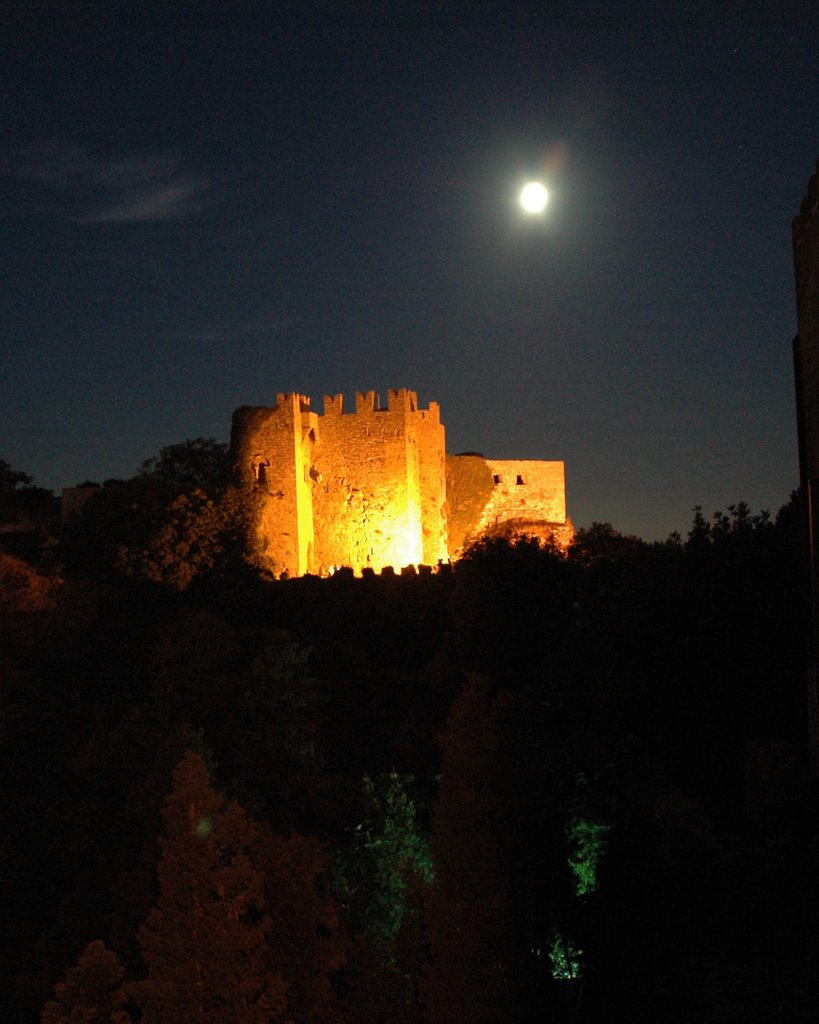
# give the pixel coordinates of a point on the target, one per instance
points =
(806, 371)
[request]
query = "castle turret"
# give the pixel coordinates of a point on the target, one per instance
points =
(271, 451)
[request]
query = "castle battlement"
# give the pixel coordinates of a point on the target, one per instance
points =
(292, 399)
(333, 405)
(366, 401)
(369, 402)
(433, 413)
(401, 399)
(369, 488)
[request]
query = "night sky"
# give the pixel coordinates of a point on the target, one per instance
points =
(204, 204)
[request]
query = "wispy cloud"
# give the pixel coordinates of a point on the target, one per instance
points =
(95, 189)
(264, 326)
(158, 201)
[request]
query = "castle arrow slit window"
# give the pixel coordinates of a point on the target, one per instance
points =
(260, 465)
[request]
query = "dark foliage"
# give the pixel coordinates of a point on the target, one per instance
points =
(201, 463)
(511, 608)
(29, 517)
(178, 522)
(20, 500)
(653, 692)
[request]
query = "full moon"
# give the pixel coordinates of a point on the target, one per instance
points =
(534, 197)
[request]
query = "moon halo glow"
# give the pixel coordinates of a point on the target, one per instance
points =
(534, 197)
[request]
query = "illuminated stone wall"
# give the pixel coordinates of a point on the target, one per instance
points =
(368, 505)
(511, 496)
(431, 444)
(527, 490)
(369, 488)
(273, 449)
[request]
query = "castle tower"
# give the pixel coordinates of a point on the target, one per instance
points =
(381, 497)
(365, 489)
(272, 451)
(429, 434)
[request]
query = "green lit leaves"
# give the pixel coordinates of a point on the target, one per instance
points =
(565, 957)
(587, 844)
(387, 850)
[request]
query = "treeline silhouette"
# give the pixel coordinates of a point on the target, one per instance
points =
(537, 786)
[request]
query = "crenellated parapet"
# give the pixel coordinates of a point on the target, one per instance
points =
(433, 413)
(399, 400)
(366, 401)
(333, 405)
(292, 400)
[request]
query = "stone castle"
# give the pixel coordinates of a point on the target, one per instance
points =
(375, 488)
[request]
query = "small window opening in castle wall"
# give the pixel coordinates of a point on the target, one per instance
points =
(496, 479)
(519, 480)
(260, 465)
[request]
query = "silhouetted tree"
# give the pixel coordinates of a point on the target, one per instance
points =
(21, 499)
(267, 728)
(91, 992)
(195, 534)
(201, 463)
(177, 521)
(600, 541)
(205, 941)
(122, 517)
(386, 855)
(306, 945)
(512, 603)
(474, 971)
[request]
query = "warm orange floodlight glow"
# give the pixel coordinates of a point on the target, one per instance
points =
(534, 197)
(367, 489)
(400, 531)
